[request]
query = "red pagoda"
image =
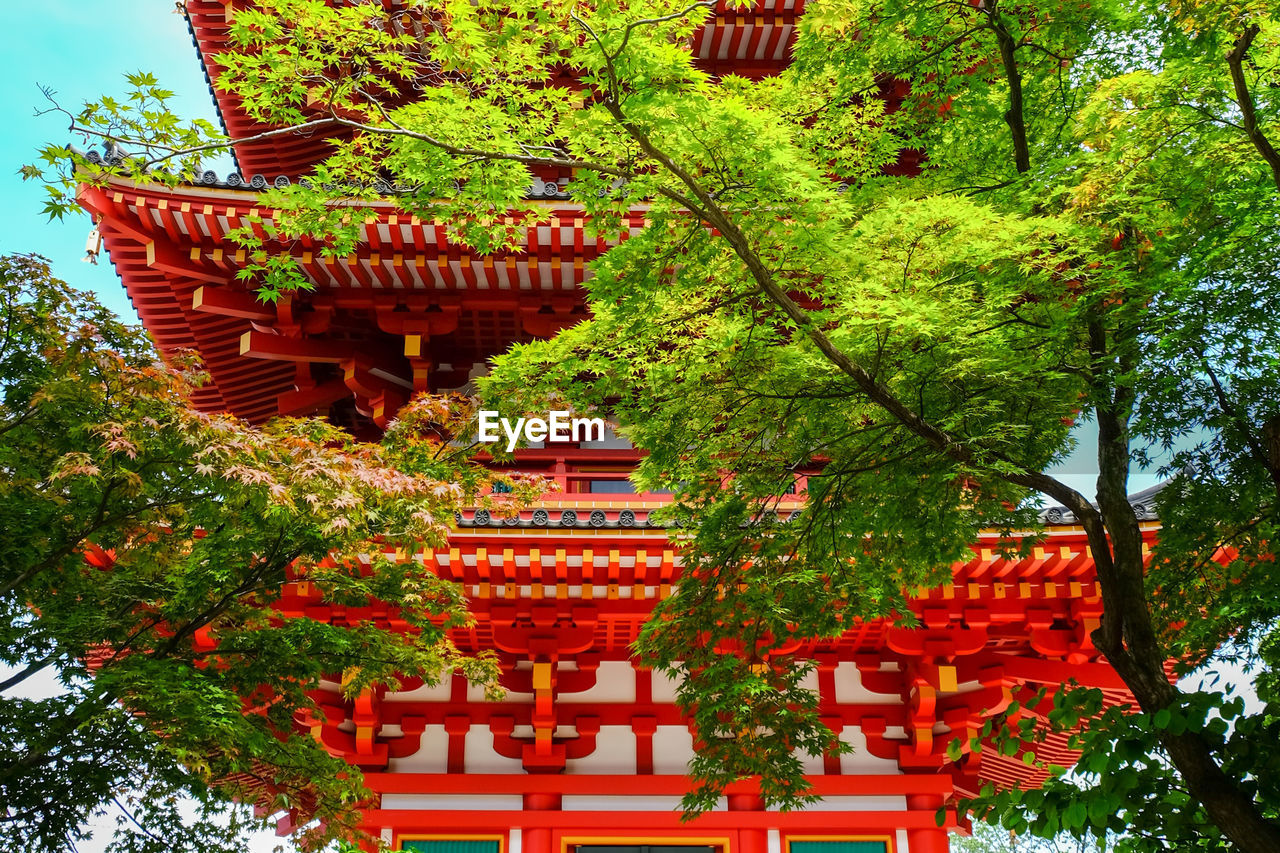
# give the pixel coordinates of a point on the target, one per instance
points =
(587, 752)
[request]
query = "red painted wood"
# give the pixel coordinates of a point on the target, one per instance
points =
(665, 785)
(639, 822)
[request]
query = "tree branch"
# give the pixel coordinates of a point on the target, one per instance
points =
(30, 670)
(1259, 453)
(1244, 99)
(711, 212)
(674, 16)
(1014, 116)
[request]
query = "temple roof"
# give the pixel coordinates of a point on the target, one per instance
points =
(752, 42)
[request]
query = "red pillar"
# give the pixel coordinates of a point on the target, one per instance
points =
(933, 839)
(538, 839)
(535, 840)
(749, 840)
(753, 841)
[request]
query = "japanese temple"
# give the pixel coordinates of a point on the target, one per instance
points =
(587, 752)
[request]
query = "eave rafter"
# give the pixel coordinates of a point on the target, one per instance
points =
(752, 42)
(435, 308)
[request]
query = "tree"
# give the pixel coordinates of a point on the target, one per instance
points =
(145, 544)
(986, 838)
(1092, 235)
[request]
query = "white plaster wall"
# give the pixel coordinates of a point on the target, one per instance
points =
(480, 757)
(431, 757)
(438, 693)
(615, 682)
(813, 764)
(664, 688)
(672, 749)
(615, 753)
(884, 803)
(475, 692)
(453, 802)
(860, 761)
(602, 803)
(849, 689)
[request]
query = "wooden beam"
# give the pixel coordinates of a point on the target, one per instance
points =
(256, 344)
(307, 401)
(164, 257)
(230, 303)
(368, 378)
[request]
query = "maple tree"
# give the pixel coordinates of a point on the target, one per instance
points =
(144, 545)
(1092, 235)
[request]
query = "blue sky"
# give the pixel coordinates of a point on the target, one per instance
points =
(82, 50)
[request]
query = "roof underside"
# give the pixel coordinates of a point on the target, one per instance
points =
(753, 42)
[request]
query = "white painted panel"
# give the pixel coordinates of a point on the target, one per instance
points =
(849, 689)
(901, 846)
(672, 749)
(860, 804)
(475, 692)
(774, 843)
(580, 803)
(425, 693)
(813, 764)
(453, 802)
(860, 761)
(515, 841)
(615, 752)
(480, 757)
(611, 441)
(431, 757)
(615, 682)
(664, 688)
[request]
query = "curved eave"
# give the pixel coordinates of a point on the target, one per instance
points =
(293, 154)
(171, 249)
(751, 43)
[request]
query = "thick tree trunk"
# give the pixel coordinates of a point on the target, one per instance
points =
(1127, 637)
